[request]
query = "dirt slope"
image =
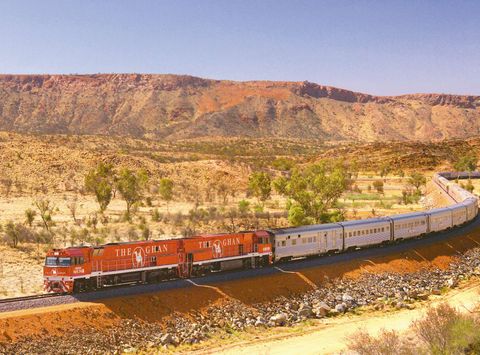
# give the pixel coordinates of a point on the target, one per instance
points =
(173, 107)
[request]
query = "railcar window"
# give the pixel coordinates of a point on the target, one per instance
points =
(294, 242)
(284, 243)
(98, 252)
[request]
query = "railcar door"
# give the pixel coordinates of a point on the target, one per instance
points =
(322, 242)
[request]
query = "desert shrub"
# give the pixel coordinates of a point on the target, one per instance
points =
(145, 231)
(444, 330)
(132, 234)
(409, 196)
(178, 219)
(469, 186)
(283, 164)
(148, 201)
(243, 207)
(378, 185)
(16, 233)
(156, 216)
(388, 342)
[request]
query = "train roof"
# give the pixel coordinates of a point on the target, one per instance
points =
(438, 210)
(303, 229)
(364, 221)
(408, 215)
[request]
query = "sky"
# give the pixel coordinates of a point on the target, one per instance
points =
(382, 47)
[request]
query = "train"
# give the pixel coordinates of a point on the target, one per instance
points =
(87, 268)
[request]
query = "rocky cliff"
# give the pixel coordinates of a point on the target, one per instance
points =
(176, 107)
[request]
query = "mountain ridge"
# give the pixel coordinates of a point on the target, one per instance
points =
(167, 106)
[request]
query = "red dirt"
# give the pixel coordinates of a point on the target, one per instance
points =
(54, 320)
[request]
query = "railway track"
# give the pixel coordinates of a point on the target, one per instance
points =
(30, 298)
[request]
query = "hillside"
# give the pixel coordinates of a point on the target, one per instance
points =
(176, 107)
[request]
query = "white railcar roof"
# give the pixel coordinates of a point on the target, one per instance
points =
(360, 222)
(438, 210)
(408, 215)
(304, 229)
(457, 206)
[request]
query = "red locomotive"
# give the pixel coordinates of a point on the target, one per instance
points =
(77, 269)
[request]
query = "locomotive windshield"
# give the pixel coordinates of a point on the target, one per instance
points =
(56, 261)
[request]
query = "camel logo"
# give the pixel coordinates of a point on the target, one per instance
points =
(138, 257)
(217, 249)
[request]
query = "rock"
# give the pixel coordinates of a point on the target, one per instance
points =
(279, 319)
(167, 339)
(259, 323)
(341, 308)
(347, 298)
(451, 282)
(422, 296)
(305, 311)
(322, 309)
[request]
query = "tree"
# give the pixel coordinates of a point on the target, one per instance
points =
(283, 164)
(378, 185)
(297, 216)
(315, 189)
(261, 185)
(223, 190)
(15, 233)
(7, 182)
(41, 237)
(131, 186)
(30, 216)
(46, 210)
(72, 206)
(384, 170)
(99, 181)
(467, 162)
(165, 189)
(280, 185)
(417, 180)
(243, 207)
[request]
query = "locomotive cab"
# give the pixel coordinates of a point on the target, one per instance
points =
(61, 267)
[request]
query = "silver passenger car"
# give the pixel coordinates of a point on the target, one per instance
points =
(439, 219)
(472, 207)
(459, 214)
(409, 225)
(366, 232)
(307, 240)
